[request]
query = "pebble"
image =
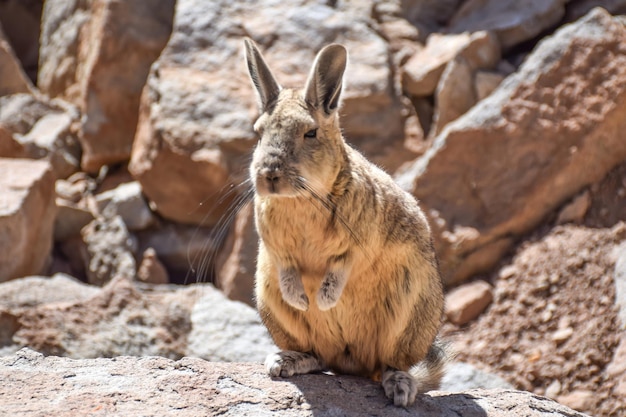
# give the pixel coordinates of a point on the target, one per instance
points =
(562, 335)
(580, 400)
(553, 389)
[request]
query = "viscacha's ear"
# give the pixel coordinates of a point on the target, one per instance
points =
(323, 87)
(262, 78)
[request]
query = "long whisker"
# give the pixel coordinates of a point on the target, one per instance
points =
(332, 208)
(203, 260)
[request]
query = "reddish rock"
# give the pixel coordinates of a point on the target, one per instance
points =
(454, 95)
(97, 55)
(422, 72)
(21, 21)
(498, 170)
(465, 303)
(151, 270)
(574, 212)
(198, 108)
(581, 400)
(12, 77)
(27, 213)
(485, 82)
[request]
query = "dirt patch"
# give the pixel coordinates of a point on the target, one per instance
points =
(553, 327)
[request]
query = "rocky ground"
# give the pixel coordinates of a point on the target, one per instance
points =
(125, 134)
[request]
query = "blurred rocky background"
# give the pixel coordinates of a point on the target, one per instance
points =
(126, 131)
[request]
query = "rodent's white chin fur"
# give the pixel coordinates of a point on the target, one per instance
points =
(263, 193)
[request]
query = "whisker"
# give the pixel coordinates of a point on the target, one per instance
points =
(332, 208)
(203, 259)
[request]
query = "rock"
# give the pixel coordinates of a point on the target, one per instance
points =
(574, 212)
(454, 95)
(553, 389)
(513, 22)
(81, 46)
(119, 319)
(225, 330)
(191, 387)
(33, 291)
(561, 335)
(513, 338)
(236, 262)
(575, 9)
(465, 303)
(461, 376)
(429, 13)
(75, 187)
(127, 201)
(70, 220)
(151, 270)
(422, 72)
(485, 82)
(110, 250)
(616, 369)
(61, 316)
(187, 252)
(582, 400)
(498, 170)
(20, 20)
(619, 254)
(27, 213)
(12, 77)
(197, 111)
(41, 129)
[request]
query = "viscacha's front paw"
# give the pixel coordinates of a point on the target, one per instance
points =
(292, 289)
(330, 291)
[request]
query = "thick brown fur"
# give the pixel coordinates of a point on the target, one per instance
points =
(347, 278)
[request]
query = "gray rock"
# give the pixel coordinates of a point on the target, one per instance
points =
(41, 129)
(225, 330)
(128, 202)
(110, 250)
(461, 376)
(36, 290)
(512, 21)
(35, 385)
(118, 319)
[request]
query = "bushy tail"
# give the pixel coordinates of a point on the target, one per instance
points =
(429, 372)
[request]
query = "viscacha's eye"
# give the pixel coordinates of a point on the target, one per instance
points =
(311, 134)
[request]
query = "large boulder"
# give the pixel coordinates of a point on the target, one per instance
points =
(97, 55)
(195, 126)
(27, 212)
(552, 128)
(35, 385)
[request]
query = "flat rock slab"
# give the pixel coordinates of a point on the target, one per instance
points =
(35, 385)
